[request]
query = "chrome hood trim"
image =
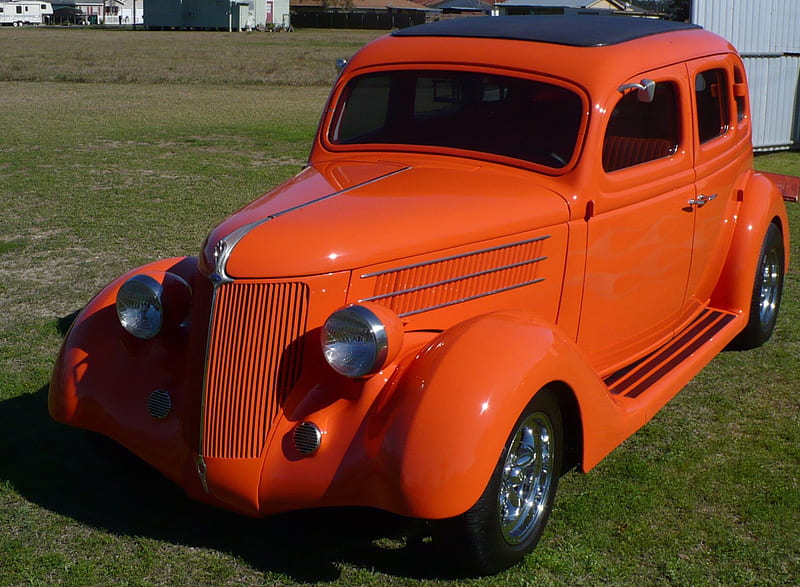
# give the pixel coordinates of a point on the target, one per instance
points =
(224, 247)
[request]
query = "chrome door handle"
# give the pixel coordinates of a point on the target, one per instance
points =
(702, 200)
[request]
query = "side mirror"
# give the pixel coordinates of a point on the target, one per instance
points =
(645, 90)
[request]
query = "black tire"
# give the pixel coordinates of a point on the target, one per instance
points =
(494, 534)
(767, 291)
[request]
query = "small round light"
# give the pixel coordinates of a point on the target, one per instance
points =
(139, 306)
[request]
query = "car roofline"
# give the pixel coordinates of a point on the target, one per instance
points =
(574, 31)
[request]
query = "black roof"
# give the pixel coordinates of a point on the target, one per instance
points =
(577, 31)
(462, 5)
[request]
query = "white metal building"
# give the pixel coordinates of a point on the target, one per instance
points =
(767, 34)
(112, 12)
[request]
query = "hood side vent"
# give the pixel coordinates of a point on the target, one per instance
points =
(421, 287)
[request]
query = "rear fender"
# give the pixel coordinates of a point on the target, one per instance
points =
(441, 427)
(762, 203)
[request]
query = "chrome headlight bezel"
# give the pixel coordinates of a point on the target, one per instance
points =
(140, 307)
(151, 302)
(360, 339)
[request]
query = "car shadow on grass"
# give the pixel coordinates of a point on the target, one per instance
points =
(91, 480)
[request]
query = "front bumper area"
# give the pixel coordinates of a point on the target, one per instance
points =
(184, 403)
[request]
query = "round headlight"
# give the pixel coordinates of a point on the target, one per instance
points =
(140, 307)
(356, 339)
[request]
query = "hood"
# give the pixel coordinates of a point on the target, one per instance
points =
(345, 215)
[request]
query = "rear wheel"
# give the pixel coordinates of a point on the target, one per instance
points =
(509, 518)
(767, 290)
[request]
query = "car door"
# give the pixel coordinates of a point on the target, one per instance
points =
(722, 156)
(641, 226)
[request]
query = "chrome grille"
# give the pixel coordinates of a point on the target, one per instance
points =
(254, 359)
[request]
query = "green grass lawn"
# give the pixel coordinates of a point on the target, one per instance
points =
(101, 171)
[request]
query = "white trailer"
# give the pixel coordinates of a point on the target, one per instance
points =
(21, 12)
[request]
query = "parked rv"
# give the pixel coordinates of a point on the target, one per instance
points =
(21, 12)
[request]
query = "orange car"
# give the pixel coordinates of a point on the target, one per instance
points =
(515, 240)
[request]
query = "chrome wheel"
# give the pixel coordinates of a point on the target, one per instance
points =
(526, 478)
(767, 289)
(771, 274)
(509, 517)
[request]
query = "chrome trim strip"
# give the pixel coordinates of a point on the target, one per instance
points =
(201, 468)
(475, 297)
(201, 472)
(224, 247)
(453, 279)
(450, 258)
(340, 192)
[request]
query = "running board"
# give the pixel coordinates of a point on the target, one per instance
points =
(633, 380)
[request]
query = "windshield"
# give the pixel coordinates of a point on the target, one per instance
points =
(508, 116)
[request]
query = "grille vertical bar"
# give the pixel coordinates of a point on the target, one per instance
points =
(254, 359)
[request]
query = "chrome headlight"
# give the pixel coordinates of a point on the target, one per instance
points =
(360, 340)
(139, 306)
(142, 300)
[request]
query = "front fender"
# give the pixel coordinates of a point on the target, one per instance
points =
(84, 339)
(762, 203)
(103, 377)
(445, 421)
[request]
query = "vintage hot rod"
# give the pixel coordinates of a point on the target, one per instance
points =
(515, 240)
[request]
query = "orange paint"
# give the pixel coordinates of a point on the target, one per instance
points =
(610, 268)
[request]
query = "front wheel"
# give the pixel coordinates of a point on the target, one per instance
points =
(767, 290)
(508, 519)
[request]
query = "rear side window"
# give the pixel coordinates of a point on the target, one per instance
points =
(739, 93)
(642, 131)
(512, 117)
(711, 95)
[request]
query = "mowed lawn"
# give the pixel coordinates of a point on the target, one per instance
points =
(118, 148)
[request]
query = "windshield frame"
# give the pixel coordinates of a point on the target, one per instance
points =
(340, 95)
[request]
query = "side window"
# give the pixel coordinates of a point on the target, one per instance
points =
(711, 94)
(642, 131)
(739, 93)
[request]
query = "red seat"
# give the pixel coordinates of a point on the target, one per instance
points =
(619, 152)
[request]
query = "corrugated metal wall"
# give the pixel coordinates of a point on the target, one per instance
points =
(767, 34)
(773, 85)
(753, 26)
